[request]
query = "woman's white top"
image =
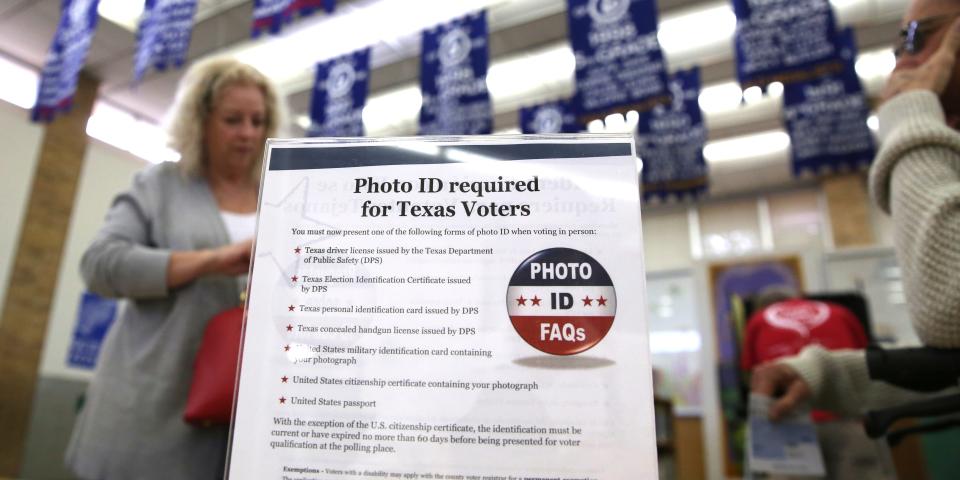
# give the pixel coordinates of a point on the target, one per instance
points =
(240, 226)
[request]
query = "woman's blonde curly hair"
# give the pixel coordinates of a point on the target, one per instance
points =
(200, 87)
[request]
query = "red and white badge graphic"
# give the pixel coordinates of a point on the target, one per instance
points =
(801, 317)
(561, 301)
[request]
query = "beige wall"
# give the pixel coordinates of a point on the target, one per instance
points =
(18, 159)
(666, 238)
(106, 172)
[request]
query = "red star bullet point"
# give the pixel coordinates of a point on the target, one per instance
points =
(587, 301)
(290, 308)
(521, 301)
(283, 379)
(536, 301)
(602, 301)
(286, 348)
(289, 328)
(296, 250)
(293, 279)
(283, 400)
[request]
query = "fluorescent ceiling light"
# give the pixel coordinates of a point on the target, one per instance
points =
(125, 13)
(389, 108)
(775, 89)
(304, 121)
(525, 73)
(122, 130)
(687, 32)
(615, 122)
(752, 94)
(747, 146)
(720, 97)
(702, 28)
(875, 63)
(19, 84)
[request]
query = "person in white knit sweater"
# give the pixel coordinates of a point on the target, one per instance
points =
(916, 179)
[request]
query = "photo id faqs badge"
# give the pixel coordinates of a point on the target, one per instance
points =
(561, 301)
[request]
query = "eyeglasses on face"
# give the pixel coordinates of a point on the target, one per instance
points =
(915, 34)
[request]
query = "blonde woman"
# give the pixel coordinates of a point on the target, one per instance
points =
(174, 245)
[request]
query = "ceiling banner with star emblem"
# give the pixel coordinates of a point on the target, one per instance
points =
(670, 140)
(619, 63)
(417, 303)
(164, 35)
(783, 40)
(65, 59)
(826, 118)
(453, 78)
(550, 117)
(339, 95)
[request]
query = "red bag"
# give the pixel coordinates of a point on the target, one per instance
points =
(210, 401)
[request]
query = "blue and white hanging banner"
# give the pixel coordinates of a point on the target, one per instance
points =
(550, 117)
(65, 59)
(272, 15)
(782, 40)
(339, 94)
(164, 35)
(619, 62)
(453, 78)
(670, 141)
(94, 318)
(827, 119)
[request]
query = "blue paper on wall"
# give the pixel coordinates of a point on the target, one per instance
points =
(549, 117)
(339, 94)
(670, 141)
(164, 35)
(782, 40)
(65, 59)
(453, 78)
(827, 118)
(619, 61)
(272, 15)
(94, 318)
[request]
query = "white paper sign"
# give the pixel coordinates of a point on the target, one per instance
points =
(787, 447)
(449, 308)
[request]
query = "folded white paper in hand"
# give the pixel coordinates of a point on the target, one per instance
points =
(786, 447)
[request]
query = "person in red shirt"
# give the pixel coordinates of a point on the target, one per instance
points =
(783, 328)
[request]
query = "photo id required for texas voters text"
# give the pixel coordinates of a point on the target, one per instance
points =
(448, 308)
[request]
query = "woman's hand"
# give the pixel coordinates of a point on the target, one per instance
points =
(933, 74)
(232, 259)
(772, 379)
